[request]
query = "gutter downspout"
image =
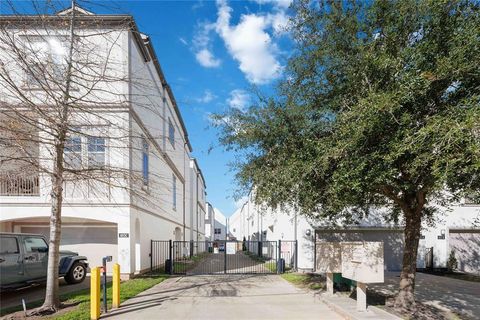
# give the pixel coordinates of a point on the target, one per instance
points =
(184, 181)
(196, 203)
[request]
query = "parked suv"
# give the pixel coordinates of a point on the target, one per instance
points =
(24, 259)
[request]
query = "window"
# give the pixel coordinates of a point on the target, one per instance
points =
(96, 152)
(218, 231)
(35, 245)
(84, 151)
(171, 133)
(73, 152)
(174, 191)
(145, 153)
(8, 245)
(47, 60)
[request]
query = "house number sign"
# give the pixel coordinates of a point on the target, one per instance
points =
(123, 235)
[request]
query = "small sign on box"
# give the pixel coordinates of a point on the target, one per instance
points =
(123, 235)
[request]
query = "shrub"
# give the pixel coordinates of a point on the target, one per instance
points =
(452, 262)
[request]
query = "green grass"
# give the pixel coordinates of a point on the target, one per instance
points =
(128, 289)
(305, 280)
(81, 299)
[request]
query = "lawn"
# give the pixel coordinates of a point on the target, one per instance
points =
(305, 280)
(80, 300)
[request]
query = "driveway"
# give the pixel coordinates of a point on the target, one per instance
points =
(224, 297)
(235, 263)
(37, 292)
(462, 297)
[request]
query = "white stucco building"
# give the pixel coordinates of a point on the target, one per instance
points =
(457, 230)
(143, 134)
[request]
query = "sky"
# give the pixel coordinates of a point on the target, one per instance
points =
(213, 54)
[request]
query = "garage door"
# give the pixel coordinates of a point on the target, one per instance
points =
(392, 243)
(466, 245)
(92, 241)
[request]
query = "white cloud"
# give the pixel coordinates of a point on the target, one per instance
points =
(206, 59)
(250, 44)
(279, 22)
(238, 99)
(182, 40)
(202, 48)
(207, 97)
(284, 4)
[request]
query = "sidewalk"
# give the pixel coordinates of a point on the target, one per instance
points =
(224, 297)
(347, 308)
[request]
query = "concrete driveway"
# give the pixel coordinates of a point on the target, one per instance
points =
(224, 297)
(37, 292)
(459, 296)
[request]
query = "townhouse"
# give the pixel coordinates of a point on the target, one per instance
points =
(456, 229)
(134, 125)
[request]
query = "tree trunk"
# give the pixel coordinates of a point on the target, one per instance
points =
(52, 298)
(405, 298)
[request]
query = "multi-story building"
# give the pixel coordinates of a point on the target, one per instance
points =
(456, 230)
(134, 125)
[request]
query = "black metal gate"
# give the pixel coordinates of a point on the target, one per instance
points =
(223, 257)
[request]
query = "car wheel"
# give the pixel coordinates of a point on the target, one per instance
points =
(76, 274)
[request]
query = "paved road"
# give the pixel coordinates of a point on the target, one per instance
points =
(460, 296)
(37, 292)
(224, 297)
(214, 263)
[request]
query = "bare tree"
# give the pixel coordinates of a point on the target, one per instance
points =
(58, 74)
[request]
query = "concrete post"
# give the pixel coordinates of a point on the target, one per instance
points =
(330, 283)
(95, 293)
(116, 286)
(361, 296)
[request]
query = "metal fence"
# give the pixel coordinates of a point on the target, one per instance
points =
(159, 254)
(223, 257)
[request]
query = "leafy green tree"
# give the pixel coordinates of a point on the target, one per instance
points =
(379, 107)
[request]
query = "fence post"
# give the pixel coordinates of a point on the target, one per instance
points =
(191, 248)
(279, 258)
(151, 255)
(170, 254)
(225, 257)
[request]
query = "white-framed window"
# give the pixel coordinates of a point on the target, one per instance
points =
(218, 231)
(171, 133)
(96, 152)
(73, 152)
(174, 191)
(145, 160)
(85, 151)
(47, 57)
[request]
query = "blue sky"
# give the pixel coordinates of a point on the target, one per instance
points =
(212, 54)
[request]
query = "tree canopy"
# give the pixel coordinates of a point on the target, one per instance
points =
(378, 101)
(379, 106)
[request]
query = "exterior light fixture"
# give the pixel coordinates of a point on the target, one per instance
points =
(442, 235)
(308, 232)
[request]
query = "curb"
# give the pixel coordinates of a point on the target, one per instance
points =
(349, 316)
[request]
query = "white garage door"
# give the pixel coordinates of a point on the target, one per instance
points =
(466, 245)
(92, 241)
(392, 243)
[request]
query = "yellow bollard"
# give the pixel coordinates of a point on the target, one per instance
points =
(95, 293)
(116, 286)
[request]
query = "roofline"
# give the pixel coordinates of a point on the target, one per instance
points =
(145, 46)
(199, 171)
